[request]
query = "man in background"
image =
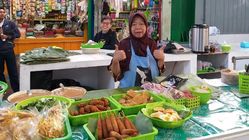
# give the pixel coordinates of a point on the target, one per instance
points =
(106, 34)
(8, 33)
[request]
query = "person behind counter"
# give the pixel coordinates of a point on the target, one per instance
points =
(106, 34)
(8, 33)
(137, 58)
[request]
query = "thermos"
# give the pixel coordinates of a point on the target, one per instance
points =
(199, 38)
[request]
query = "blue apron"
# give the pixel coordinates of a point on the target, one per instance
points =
(141, 69)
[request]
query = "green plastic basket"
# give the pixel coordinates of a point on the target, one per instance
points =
(166, 124)
(225, 48)
(4, 87)
(148, 136)
(180, 101)
(133, 110)
(243, 83)
(96, 45)
(83, 119)
(204, 97)
(192, 103)
(34, 99)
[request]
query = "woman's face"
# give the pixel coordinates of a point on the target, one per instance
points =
(138, 27)
(106, 25)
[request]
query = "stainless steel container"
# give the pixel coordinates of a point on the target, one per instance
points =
(199, 38)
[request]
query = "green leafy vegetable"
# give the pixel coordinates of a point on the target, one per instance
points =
(41, 104)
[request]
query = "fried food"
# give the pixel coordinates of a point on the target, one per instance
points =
(135, 98)
(120, 124)
(109, 124)
(94, 105)
(114, 123)
(99, 128)
(52, 126)
(104, 128)
(130, 132)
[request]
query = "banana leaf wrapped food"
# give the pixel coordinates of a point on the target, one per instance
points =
(43, 55)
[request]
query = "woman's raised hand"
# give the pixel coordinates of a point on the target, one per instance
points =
(159, 53)
(119, 55)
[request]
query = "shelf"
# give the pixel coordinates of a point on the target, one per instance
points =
(149, 8)
(125, 12)
(115, 19)
(211, 72)
(216, 53)
(50, 19)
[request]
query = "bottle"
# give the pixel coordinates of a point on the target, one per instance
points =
(134, 4)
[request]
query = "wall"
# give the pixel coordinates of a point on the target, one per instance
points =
(166, 19)
(230, 16)
(183, 17)
(236, 51)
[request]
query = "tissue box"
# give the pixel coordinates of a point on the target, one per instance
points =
(244, 44)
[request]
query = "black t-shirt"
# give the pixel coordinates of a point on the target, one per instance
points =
(110, 39)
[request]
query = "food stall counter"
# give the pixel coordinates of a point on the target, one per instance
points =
(221, 118)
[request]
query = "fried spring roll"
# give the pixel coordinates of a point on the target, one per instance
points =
(120, 124)
(108, 124)
(104, 128)
(99, 128)
(127, 123)
(114, 123)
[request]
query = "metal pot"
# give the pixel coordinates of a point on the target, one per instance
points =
(199, 38)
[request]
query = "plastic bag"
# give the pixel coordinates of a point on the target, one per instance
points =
(143, 124)
(51, 125)
(16, 125)
(174, 81)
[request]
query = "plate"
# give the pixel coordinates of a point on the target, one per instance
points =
(90, 50)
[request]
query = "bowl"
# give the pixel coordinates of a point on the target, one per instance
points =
(90, 50)
(203, 92)
(23, 95)
(226, 48)
(34, 99)
(229, 77)
(168, 124)
(70, 92)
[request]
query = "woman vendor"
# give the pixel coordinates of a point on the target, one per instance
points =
(137, 59)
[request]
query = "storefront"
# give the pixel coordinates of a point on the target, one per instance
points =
(49, 23)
